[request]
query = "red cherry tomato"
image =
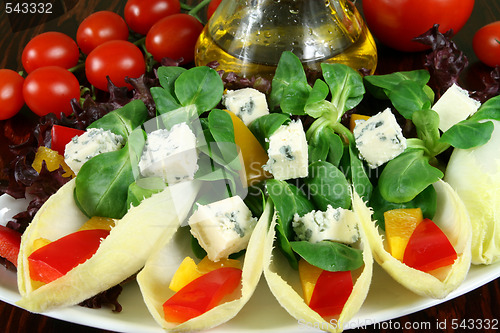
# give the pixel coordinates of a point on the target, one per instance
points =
(141, 15)
(174, 37)
(57, 258)
(330, 293)
(428, 248)
(117, 59)
(201, 294)
(50, 89)
(486, 44)
(50, 49)
(100, 27)
(11, 93)
(212, 7)
(396, 23)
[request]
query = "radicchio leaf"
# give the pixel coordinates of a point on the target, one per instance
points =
(234, 81)
(445, 62)
(491, 86)
(107, 297)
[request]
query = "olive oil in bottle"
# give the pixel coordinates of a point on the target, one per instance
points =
(248, 36)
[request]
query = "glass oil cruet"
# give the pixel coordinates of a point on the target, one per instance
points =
(248, 36)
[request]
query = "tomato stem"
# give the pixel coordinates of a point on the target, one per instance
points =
(140, 41)
(185, 6)
(194, 10)
(77, 68)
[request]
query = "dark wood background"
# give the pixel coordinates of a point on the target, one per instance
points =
(15, 31)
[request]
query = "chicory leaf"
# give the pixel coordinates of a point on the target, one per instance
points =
(124, 120)
(404, 177)
(327, 185)
(201, 86)
(330, 256)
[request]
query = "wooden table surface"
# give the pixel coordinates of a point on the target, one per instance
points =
(480, 304)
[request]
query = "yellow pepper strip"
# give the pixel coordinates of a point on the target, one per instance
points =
(354, 117)
(206, 265)
(308, 276)
(98, 222)
(254, 155)
(188, 270)
(52, 159)
(39, 243)
(186, 273)
(399, 225)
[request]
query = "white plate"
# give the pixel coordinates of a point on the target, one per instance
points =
(386, 300)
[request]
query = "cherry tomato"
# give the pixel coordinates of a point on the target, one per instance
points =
(212, 7)
(11, 93)
(50, 49)
(486, 44)
(100, 27)
(57, 258)
(428, 248)
(174, 37)
(396, 23)
(141, 15)
(50, 89)
(117, 59)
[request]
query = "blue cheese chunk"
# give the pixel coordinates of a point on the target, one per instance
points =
(454, 106)
(223, 227)
(248, 104)
(170, 154)
(288, 153)
(335, 224)
(379, 139)
(93, 142)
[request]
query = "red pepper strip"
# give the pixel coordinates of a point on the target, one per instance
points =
(55, 259)
(10, 241)
(61, 135)
(331, 292)
(428, 248)
(201, 294)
